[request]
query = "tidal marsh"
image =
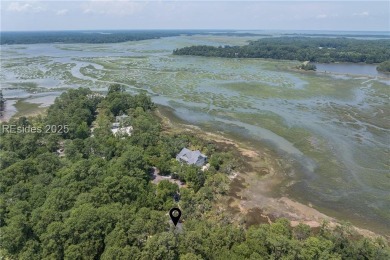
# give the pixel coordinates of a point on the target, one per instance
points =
(333, 129)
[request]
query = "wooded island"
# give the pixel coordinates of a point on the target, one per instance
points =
(313, 49)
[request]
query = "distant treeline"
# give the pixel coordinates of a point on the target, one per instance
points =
(81, 37)
(321, 49)
(2, 102)
(102, 36)
(378, 36)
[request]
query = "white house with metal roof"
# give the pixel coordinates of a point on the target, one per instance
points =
(120, 128)
(191, 157)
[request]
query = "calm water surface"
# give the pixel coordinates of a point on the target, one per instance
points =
(347, 68)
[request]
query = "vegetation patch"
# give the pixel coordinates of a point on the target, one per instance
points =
(25, 108)
(384, 66)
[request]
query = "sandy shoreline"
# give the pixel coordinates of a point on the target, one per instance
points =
(34, 111)
(254, 195)
(252, 188)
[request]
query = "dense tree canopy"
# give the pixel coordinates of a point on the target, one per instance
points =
(97, 200)
(317, 49)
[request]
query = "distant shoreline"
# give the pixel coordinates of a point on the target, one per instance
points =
(125, 35)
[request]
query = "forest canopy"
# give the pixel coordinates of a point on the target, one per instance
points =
(96, 199)
(313, 49)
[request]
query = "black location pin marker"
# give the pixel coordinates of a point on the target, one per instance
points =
(175, 214)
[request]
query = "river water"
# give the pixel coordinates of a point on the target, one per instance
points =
(333, 128)
(347, 68)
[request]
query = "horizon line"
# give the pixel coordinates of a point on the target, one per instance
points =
(192, 29)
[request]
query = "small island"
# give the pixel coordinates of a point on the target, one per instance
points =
(384, 67)
(307, 66)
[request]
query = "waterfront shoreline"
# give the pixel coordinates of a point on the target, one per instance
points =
(251, 195)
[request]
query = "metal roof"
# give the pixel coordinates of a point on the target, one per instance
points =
(190, 157)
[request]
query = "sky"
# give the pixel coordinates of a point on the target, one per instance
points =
(34, 15)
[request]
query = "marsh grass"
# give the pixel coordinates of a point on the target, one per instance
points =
(27, 109)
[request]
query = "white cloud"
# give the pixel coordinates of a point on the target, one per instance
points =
(25, 7)
(113, 7)
(62, 12)
(321, 16)
(362, 14)
(18, 7)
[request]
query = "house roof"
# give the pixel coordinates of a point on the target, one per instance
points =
(191, 157)
(120, 118)
(122, 130)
